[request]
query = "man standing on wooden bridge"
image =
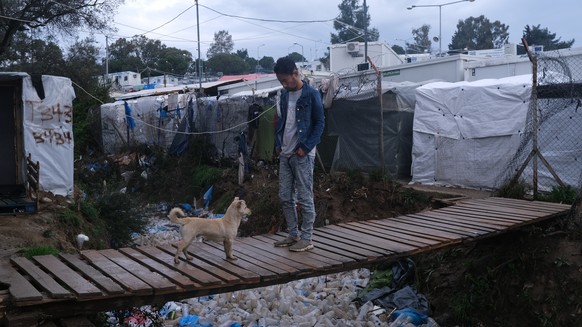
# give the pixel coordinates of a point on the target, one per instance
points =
(300, 123)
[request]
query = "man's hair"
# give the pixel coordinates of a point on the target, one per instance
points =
(285, 65)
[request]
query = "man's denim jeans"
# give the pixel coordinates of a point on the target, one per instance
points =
(296, 185)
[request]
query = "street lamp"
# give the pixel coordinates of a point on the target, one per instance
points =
(258, 59)
(440, 17)
(302, 57)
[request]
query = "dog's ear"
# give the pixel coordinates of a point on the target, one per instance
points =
(236, 198)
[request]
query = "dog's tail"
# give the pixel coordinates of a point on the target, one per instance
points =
(173, 215)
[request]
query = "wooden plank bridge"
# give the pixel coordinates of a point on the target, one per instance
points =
(100, 280)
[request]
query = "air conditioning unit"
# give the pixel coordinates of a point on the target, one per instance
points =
(352, 47)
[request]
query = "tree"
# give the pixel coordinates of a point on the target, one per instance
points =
(141, 53)
(398, 49)
(422, 42)
(296, 57)
(124, 56)
(82, 67)
(227, 64)
(535, 35)
(81, 63)
(477, 33)
(175, 61)
(51, 17)
(267, 63)
(33, 56)
(252, 62)
(352, 23)
(222, 44)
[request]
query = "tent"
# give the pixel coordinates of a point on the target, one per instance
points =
(465, 133)
(36, 120)
(355, 120)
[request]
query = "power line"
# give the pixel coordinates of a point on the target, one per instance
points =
(171, 20)
(17, 19)
(269, 20)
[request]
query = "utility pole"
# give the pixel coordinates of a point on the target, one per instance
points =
(199, 61)
(106, 57)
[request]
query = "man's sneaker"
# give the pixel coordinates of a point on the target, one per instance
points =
(301, 245)
(287, 241)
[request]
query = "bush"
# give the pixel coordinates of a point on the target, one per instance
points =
(513, 190)
(89, 211)
(560, 194)
(120, 218)
(203, 177)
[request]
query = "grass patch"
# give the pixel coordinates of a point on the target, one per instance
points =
(39, 250)
(70, 218)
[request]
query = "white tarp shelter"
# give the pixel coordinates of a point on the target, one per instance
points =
(41, 126)
(465, 133)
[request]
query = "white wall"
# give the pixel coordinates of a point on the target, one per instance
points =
(125, 78)
(342, 62)
(449, 69)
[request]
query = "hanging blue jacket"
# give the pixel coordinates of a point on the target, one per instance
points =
(309, 116)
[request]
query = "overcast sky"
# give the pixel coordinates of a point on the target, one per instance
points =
(174, 22)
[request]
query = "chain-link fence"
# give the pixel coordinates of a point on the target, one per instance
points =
(550, 153)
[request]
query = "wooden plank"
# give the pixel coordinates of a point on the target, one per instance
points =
(298, 266)
(473, 219)
(339, 248)
(245, 250)
(42, 279)
(77, 283)
(224, 275)
(198, 249)
(127, 280)
(389, 245)
(20, 288)
(158, 282)
(261, 267)
(550, 205)
(527, 205)
(266, 246)
(515, 212)
(322, 252)
(437, 225)
(378, 231)
(326, 260)
(489, 215)
(425, 232)
(173, 275)
(93, 274)
(327, 237)
(458, 221)
(194, 272)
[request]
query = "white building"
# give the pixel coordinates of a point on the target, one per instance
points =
(345, 58)
(126, 80)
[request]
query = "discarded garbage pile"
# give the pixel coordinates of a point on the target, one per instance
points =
(391, 290)
(354, 298)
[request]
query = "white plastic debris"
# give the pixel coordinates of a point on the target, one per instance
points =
(81, 239)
